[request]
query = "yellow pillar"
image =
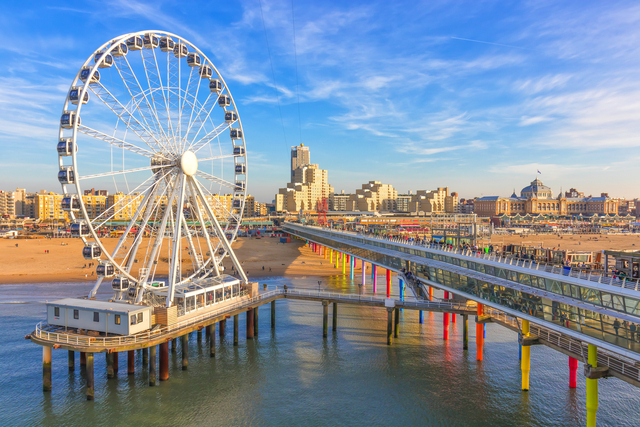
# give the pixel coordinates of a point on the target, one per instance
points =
(324, 252)
(592, 389)
(526, 357)
(344, 264)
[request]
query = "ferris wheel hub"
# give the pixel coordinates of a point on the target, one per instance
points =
(189, 163)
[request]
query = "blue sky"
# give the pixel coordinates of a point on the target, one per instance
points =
(474, 95)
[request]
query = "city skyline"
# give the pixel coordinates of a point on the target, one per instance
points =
(482, 98)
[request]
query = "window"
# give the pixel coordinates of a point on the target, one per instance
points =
(133, 320)
(56, 311)
(76, 314)
(116, 319)
(96, 316)
(139, 317)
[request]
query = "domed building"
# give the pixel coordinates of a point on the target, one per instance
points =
(537, 190)
(537, 200)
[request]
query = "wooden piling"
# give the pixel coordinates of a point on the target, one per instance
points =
(235, 330)
(273, 314)
(335, 316)
(211, 332)
(396, 323)
(250, 323)
(110, 372)
(72, 360)
(465, 332)
(256, 311)
(389, 324)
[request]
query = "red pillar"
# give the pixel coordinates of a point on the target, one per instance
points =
(453, 315)
(479, 334)
(573, 372)
(445, 321)
(430, 293)
(388, 283)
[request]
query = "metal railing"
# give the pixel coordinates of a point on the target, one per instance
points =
(617, 363)
(577, 273)
(88, 341)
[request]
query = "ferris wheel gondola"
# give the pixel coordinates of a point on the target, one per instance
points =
(157, 135)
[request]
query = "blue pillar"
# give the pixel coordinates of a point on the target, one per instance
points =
(421, 316)
(401, 286)
(351, 262)
(484, 330)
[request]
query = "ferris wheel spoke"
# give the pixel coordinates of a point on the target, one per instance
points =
(139, 97)
(175, 255)
(224, 156)
(220, 207)
(120, 172)
(219, 232)
(189, 100)
(216, 180)
(194, 105)
(125, 115)
(115, 141)
(195, 147)
(202, 121)
(197, 205)
(157, 93)
(197, 121)
(129, 201)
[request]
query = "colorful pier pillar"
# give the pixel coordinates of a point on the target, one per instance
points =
(388, 283)
(430, 293)
(445, 321)
(352, 265)
(374, 273)
(344, 263)
(592, 388)
(573, 372)
(324, 252)
(525, 364)
(364, 272)
(420, 316)
(479, 336)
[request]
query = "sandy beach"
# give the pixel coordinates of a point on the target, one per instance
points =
(578, 242)
(28, 262)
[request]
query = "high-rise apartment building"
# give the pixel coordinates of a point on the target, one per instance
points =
(373, 197)
(435, 201)
(299, 157)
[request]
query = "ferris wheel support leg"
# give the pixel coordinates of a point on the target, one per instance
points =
(204, 228)
(95, 287)
(175, 257)
(223, 239)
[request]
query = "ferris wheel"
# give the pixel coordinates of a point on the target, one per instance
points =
(149, 118)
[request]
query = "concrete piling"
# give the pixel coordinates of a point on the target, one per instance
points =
(223, 327)
(145, 356)
(185, 352)
(273, 314)
(256, 311)
(46, 368)
(164, 361)
(211, 331)
(325, 318)
(131, 362)
(199, 335)
(152, 365)
(235, 330)
(89, 364)
(335, 316)
(396, 323)
(389, 324)
(72, 360)
(465, 332)
(83, 358)
(250, 323)
(174, 345)
(110, 371)
(115, 363)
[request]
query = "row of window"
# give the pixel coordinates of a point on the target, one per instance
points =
(134, 318)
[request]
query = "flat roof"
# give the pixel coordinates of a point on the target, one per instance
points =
(95, 305)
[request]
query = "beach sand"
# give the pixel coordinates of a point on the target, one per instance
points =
(29, 263)
(577, 242)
